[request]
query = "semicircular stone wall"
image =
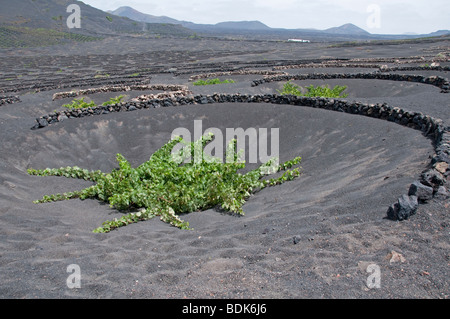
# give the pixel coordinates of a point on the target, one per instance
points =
(433, 181)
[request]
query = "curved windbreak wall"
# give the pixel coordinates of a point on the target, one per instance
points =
(360, 162)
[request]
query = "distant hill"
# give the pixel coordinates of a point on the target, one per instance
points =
(439, 33)
(142, 17)
(253, 29)
(51, 14)
(133, 14)
(258, 30)
(43, 22)
(242, 25)
(349, 29)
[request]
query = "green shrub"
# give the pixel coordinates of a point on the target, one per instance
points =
(113, 100)
(314, 91)
(290, 89)
(164, 186)
(79, 104)
(212, 82)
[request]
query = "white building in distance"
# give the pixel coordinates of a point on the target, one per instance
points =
(299, 40)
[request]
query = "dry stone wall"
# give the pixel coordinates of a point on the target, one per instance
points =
(122, 88)
(438, 81)
(9, 100)
(433, 181)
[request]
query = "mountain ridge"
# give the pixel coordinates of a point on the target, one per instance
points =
(52, 14)
(255, 25)
(346, 31)
(348, 28)
(131, 13)
(30, 22)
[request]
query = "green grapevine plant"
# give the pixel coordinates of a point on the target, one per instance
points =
(168, 184)
(312, 91)
(212, 82)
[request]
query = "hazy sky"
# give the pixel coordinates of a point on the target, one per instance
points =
(375, 16)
